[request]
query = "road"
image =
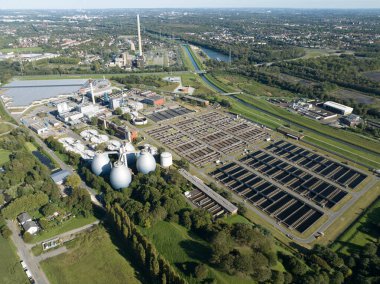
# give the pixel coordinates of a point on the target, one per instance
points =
(25, 254)
(51, 253)
(67, 235)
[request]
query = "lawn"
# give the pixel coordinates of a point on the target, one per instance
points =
(65, 227)
(4, 156)
(237, 219)
(177, 245)
(360, 232)
(4, 128)
(10, 268)
(196, 82)
(251, 86)
(30, 146)
(92, 258)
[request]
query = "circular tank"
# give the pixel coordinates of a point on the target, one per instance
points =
(166, 159)
(120, 176)
(146, 163)
(101, 163)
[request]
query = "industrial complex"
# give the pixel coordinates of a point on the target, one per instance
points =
(295, 187)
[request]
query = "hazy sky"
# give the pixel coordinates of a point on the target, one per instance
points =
(88, 4)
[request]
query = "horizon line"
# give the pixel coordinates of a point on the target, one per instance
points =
(240, 7)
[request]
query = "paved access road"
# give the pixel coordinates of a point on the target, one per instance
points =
(26, 255)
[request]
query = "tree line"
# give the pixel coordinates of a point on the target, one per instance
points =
(148, 259)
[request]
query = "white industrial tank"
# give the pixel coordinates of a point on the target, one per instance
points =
(146, 162)
(120, 176)
(101, 164)
(166, 159)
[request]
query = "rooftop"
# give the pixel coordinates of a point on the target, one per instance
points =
(59, 176)
(337, 105)
(23, 217)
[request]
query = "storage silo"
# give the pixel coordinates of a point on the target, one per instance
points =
(146, 162)
(120, 176)
(101, 164)
(166, 159)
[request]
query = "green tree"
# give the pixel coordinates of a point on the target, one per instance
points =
(118, 111)
(73, 181)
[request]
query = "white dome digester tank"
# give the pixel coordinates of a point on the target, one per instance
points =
(121, 176)
(101, 164)
(146, 162)
(166, 159)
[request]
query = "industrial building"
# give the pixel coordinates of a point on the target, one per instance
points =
(207, 199)
(196, 100)
(97, 87)
(39, 127)
(351, 120)
(70, 116)
(60, 176)
(338, 108)
(154, 101)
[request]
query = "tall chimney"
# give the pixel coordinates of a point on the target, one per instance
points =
(92, 93)
(139, 35)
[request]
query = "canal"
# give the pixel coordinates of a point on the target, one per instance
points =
(198, 68)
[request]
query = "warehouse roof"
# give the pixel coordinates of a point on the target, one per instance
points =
(338, 106)
(232, 209)
(59, 176)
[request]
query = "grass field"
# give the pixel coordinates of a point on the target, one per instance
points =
(10, 268)
(92, 258)
(30, 146)
(237, 219)
(4, 128)
(176, 244)
(65, 227)
(196, 82)
(186, 60)
(22, 50)
(251, 86)
(4, 156)
(374, 75)
(360, 232)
